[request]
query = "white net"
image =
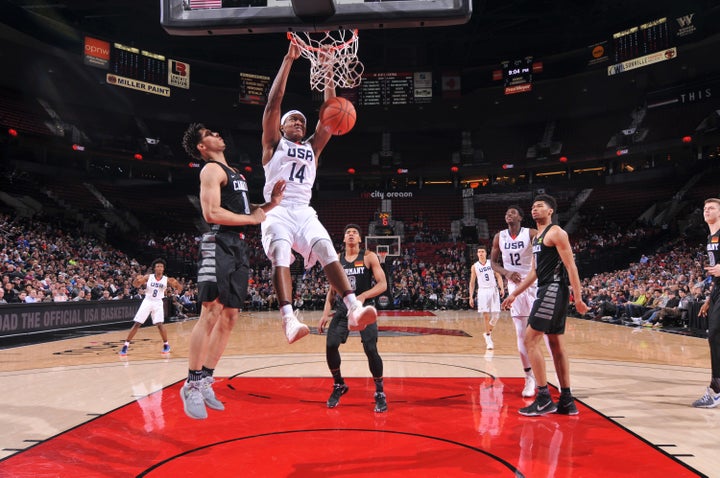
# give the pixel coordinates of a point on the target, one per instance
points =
(333, 57)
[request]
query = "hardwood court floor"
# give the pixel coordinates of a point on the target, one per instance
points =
(635, 380)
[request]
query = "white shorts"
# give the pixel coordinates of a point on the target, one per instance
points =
(298, 225)
(153, 308)
(523, 303)
(488, 300)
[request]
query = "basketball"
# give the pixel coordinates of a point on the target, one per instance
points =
(338, 115)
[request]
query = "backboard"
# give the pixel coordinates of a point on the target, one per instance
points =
(390, 245)
(217, 17)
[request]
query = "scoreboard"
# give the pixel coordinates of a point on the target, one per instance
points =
(642, 45)
(641, 40)
(395, 88)
(136, 64)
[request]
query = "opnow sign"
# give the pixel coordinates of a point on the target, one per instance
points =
(97, 53)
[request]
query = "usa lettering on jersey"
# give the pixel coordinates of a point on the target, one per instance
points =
(515, 245)
(301, 153)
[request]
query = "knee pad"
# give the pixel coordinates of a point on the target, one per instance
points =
(280, 253)
(325, 252)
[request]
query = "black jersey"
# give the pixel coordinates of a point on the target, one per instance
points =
(548, 265)
(713, 253)
(358, 274)
(233, 196)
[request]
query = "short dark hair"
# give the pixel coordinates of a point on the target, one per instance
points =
(521, 213)
(191, 138)
(547, 199)
(158, 261)
(483, 247)
(352, 226)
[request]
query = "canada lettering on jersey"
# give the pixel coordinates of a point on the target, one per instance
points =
(515, 245)
(239, 185)
(301, 153)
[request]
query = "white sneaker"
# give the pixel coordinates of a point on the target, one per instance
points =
(488, 342)
(208, 394)
(360, 316)
(529, 389)
(294, 329)
(193, 400)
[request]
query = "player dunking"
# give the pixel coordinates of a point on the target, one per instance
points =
(286, 155)
(361, 267)
(554, 269)
(511, 256)
(488, 301)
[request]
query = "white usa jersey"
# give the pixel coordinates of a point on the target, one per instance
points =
(516, 252)
(155, 289)
(485, 275)
(295, 163)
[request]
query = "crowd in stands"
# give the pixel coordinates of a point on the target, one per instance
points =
(42, 260)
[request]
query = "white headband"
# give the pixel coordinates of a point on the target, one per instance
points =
(292, 112)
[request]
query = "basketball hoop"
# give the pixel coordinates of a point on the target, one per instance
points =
(333, 57)
(382, 255)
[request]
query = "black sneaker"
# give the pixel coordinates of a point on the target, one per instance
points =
(536, 409)
(567, 406)
(380, 402)
(338, 391)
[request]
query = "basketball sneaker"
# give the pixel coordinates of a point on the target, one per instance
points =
(537, 408)
(208, 394)
(360, 316)
(192, 399)
(166, 349)
(294, 329)
(529, 389)
(709, 400)
(488, 342)
(123, 350)
(380, 402)
(338, 391)
(566, 406)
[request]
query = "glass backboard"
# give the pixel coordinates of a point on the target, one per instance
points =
(232, 17)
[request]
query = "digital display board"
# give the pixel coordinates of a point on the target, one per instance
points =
(395, 88)
(518, 75)
(136, 64)
(254, 89)
(641, 40)
(641, 45)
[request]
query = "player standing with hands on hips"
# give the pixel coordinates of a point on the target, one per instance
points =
(294, 225)
(155, 288)
(554, 269)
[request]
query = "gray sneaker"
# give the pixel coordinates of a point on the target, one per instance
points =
(193, 400)
(709, 400)
(208, 394)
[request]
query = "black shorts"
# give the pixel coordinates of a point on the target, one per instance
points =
(338, 331)
(223, 269)
(549, 310)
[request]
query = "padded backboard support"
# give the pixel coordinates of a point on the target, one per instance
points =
(187, 17)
